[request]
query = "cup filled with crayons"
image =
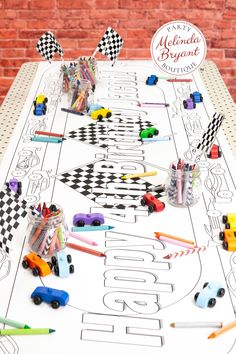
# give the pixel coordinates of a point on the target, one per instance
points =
(82, 96)
(183, 185)
(47, 230)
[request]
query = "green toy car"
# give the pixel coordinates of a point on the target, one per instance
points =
(148, 132)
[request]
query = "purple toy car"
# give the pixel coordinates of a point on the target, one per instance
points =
(14, 185)
(189, 104)
(95, 219)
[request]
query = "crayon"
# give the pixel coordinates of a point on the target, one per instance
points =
(13, 323)
(25, 331)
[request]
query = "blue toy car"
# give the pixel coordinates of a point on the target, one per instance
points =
(55, 297)
(62, 264)
(40, 109)
(196, 97)
(152, 80)
(189, 104)
(206, 297)
(93, 219)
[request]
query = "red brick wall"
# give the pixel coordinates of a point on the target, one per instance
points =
(79, 24)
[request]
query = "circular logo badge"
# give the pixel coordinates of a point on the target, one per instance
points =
(178, 48)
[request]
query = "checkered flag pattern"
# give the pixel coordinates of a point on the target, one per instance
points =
(95, 186)
(97, 134)
(210, 135)
(47, 46)
(110, 44)
(12, 211)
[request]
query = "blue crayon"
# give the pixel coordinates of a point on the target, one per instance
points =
(163, 138)
(91, 228)
(43, 139)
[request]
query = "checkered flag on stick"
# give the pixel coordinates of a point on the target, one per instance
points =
(12, 211)
(210, 135)
(47, 46)
(110, 44)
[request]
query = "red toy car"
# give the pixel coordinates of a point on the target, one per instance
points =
(152, 202)
(215, 152)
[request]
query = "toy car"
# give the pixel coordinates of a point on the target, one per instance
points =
(153, 203)
(227, 234)
(93, 107)
(55, 297)
(189, 104)
(61, 264)
(196, 97)
(228, 237)
(37, 264)
(40, 109)
(215, 152)
(95, 219)
(14, 185)
(229, 218)
(152, 80)
(206, 297)
(148, 132)
(99, 114)
(230, 221)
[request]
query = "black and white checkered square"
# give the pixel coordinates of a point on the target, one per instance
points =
(110, 44)
(97, 186)
(47, 46)
(210, 135)
(98, 134)
(12, 210)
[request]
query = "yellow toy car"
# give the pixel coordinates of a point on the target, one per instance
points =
(230, 221)
(101, 113)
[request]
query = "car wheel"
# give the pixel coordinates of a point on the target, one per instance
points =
(156, 132)
(196, 296)
(99, 117)
(54, 260)
(72, 268)
(108, 115)
(45, 100)
(96, 223)
(191, 96)
(37, 300)
(221, 235)
(201, 98)
(150, 135)
(35, 271)
(221, 292)
(25, 264)
(143, 202)
(56, 270)
(205, 285)
(224, 219)
(225, 245)
(185, 104)
(69, 258)
(227, 226)
(55, 304)
(194, 105)
(151, 208)
(212, 302)
(80, 223)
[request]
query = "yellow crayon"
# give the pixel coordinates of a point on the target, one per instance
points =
(144, 174)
